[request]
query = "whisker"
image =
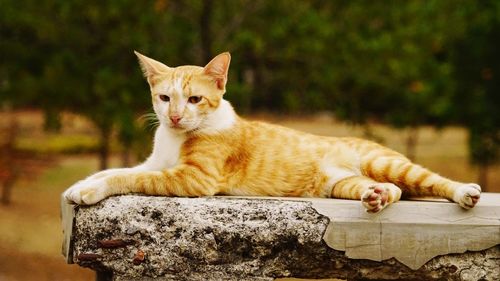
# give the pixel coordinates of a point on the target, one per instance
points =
(149, 120)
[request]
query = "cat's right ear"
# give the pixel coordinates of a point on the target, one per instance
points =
(150, 67)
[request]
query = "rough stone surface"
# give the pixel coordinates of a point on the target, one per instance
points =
(160, 238)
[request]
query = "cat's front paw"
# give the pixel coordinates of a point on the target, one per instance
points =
(86, 192)
(379, 196)
(467, 195)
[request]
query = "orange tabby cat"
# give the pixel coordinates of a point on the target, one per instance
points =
(202, 147)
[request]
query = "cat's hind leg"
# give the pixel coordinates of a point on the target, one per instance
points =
(374, 195)
(415, 180)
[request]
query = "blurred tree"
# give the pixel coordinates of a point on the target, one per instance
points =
(21, 49)
(391, 63)
(367, 61)
(97, 47)
(77, 56)
(476, 99)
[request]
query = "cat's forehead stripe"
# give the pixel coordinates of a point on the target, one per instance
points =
(178, 85)
(180, 82)
(187, 79)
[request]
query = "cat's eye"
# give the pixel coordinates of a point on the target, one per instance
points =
(194, 99)
(164, 98)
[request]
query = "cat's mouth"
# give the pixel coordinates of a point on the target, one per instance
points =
(185, 126)
(176, 126)
(182, 127)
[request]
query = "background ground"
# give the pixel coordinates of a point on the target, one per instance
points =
(30, 232)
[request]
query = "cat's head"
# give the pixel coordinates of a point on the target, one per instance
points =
(184, 97)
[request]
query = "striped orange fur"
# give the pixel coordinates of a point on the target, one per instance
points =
(203, 148)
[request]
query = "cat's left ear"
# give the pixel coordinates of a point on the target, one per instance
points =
(218, 68)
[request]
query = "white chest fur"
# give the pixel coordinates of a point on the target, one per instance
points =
(166, 149)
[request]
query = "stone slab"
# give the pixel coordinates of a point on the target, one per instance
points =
(230, 238)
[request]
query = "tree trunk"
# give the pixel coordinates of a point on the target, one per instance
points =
(5, 198)
(7, 190)
(205, 30)
(8, 160)
(411, 143)
(52, 122)
(483, 176)
(126, 155)
(105, 135)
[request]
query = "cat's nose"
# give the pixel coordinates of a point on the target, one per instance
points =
(175, 119)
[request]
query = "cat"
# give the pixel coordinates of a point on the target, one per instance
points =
(203, 148)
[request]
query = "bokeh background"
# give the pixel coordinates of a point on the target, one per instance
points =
(422, 77)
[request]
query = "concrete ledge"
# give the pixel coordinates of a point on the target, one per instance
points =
(228, 238)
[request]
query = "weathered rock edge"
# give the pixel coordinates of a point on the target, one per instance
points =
(161, 238)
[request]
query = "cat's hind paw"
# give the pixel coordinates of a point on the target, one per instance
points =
(467, 195)
(86, 192)
(378, 196)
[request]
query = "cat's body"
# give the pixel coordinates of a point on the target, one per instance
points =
(203, 148)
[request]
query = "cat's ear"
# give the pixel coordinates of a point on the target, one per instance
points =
(218, 68)
(151, 67)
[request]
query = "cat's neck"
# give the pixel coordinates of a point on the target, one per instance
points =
(222, 118)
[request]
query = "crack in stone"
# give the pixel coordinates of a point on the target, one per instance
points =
(380, 240)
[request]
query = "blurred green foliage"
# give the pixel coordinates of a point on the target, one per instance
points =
(405, 63)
